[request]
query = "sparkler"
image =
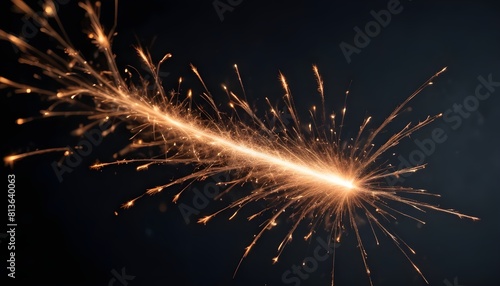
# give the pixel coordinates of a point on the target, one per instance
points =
(311, 174)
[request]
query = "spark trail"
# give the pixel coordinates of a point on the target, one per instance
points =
(311, 174)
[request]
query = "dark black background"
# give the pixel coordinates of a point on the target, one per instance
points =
(68, 233)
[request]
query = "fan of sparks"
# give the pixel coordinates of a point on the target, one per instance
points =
(308, 175)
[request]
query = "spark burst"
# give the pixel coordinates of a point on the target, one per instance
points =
(311, 173)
